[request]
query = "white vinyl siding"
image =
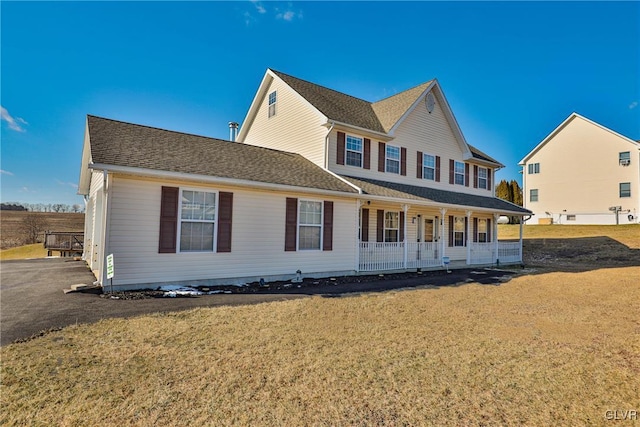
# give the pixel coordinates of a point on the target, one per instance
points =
(297, 127)
(257, 238)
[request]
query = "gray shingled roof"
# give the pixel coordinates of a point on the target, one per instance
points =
(125, 144)
(389, 110)
(482, 156)
(395, 190)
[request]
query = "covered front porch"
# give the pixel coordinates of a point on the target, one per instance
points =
(405, 237)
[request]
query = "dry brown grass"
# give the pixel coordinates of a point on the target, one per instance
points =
(553, 349)
(36, 250)
(11, 236)
(628, 234)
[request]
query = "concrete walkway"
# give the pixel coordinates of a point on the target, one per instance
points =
(32, 300)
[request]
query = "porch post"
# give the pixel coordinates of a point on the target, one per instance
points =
(496, 217)
(467, 237)
(443, 245)
(405, 208)
(358, 236)
(520, 249)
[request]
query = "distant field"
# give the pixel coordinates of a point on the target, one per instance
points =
(10, 235)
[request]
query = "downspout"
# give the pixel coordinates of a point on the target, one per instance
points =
(326, 146)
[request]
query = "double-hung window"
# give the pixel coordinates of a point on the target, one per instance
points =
(391, 227)
(482, 230)
(392, 160)
(197, 221)
(309, 225)
(459, 173)
(354, 151)
(625, 189)
(482, 178)
(428, 167)
(273, 98)
(533, 195)
(458, 231)
(533, 168)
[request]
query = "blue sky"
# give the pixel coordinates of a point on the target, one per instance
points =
(511, 71)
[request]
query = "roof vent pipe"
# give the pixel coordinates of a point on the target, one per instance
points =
(233, 131)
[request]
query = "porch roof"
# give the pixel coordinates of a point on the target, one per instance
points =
(441, 197)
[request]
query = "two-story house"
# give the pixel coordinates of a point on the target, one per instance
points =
(318, 182)
(583, 173)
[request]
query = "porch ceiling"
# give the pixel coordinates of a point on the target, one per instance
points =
(440, 197)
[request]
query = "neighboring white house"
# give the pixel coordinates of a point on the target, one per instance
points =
(319, 181)
(583, 173)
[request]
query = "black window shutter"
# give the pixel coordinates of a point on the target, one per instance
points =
(466, 174)
(382, 155)
(291, 224)
(419, 166)
(451, 170)
(488, 230)
(341, 149)
(364, 230)
(489, 172)
(466, 229)
(437, 168)
(401, 225)
(225, 217)
(475, 176)
(380, 226)
(327, 229)
(403, 161)
(450, 230)
(168, 220)
(366, 162)
(475, 229)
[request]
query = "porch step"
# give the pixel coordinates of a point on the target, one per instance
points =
(81, 287)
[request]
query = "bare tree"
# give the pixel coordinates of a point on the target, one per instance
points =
(76, 208)
(32, 227)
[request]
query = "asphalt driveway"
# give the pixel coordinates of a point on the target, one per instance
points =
(32, 300)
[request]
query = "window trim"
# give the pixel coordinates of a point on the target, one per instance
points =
(456, 173)
(462, 220)
(425, 167)
(347, 150)
(272, 105)
(485, 232)
(214, 221)
(480, 178)
(385, 228)
(531, 195)
(387, 159)
(533, 168)
(627, 193)
(320, 226)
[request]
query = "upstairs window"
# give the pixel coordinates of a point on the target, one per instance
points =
(354, 151)
(482, 178)
(429, 167)
(459, 173)
(391, 227)
(273, 98)
(197, 221)
(625, 189)
(392, 160)
(534, 168)
(309, 225)
(533, 195)
(624, 158)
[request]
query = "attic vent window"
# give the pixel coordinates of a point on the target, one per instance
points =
(272, 103)
(625, 158)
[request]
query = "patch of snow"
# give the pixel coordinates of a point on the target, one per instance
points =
(175, 290)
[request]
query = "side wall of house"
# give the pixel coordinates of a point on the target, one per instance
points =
(296, 126)
(94, 224)
(257, 244)
(420, 132)
(579, 177)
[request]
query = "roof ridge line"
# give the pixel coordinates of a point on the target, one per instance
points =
(406, 90)
(323, 87)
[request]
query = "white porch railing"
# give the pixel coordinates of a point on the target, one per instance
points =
(509, 252)
(376, 256)
(424, 254)
(483, 253)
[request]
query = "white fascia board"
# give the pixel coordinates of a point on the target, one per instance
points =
(167, 175)
(84, 182)
(255, 104)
